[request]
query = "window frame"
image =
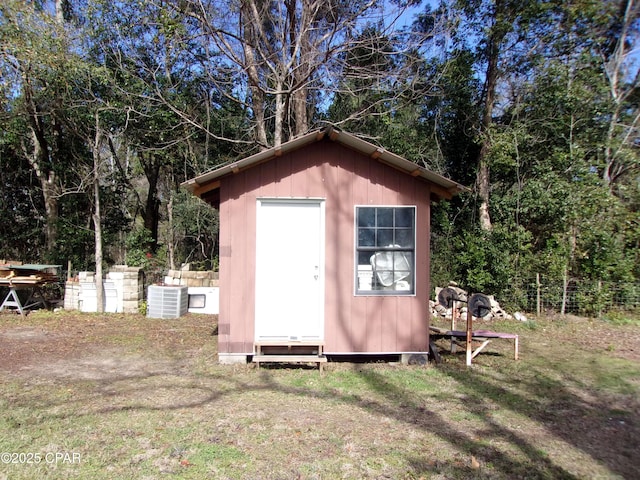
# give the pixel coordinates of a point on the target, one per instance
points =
(359, 249)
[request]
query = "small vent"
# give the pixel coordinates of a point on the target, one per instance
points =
(167, 301)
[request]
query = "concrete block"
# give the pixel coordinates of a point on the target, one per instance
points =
(130, 307)
(130, 296)
(232, 358)
(71, 296)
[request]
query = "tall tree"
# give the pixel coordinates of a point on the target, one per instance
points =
(549, 145)
(165, 101)
(33, 54)
(500, 18)
(617, 49)
(280, 60)
(495, 29)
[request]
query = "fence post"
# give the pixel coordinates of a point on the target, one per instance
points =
(538, 306)
(599, 298)
(563, 308)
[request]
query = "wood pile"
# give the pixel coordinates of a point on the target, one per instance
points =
(440, 311)
(12, 274)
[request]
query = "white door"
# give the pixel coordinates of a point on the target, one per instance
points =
(290, 270)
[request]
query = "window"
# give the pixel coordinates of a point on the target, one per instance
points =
(385, 250)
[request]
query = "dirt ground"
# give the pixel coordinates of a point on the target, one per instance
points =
(622, 342)
(88, 346)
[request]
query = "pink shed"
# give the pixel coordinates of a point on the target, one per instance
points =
(324, 240)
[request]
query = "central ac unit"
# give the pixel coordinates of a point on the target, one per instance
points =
(167, 301)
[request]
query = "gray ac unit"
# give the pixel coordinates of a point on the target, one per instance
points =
(167, 301)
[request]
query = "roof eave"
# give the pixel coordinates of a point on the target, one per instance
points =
(206, 182)
(193, 184)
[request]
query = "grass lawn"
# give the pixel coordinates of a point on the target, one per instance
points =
(122, 396)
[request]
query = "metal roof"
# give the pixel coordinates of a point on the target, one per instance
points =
(447, 188)
(27, 266)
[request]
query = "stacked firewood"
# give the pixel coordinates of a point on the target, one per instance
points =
(17, 274)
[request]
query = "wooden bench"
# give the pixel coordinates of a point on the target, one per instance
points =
(289, 351)
(483, 336)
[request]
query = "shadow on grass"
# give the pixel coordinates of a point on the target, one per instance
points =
(410, 411)
(572, 418)
(406, 407)
(565, 405)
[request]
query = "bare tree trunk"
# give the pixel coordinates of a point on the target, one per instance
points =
(302, 70)
(621, 134)
(151, 166)
(49, 185)
(97, 221)
(39, 159)
(170, 241)
(300, 113)
(60, 7)
(279, 117)
(483, 180)
(257, 95)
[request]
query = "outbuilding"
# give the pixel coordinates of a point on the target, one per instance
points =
(324, 242)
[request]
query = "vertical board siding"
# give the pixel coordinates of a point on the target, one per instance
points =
(420, 317)
(344, 178)
(224, 266)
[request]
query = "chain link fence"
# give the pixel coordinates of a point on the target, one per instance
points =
(588, 297)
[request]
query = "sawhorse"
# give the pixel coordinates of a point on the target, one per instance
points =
(12, 300)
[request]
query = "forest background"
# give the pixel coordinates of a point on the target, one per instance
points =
(107, 106)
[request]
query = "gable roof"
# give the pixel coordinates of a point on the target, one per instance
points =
(203, 185)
